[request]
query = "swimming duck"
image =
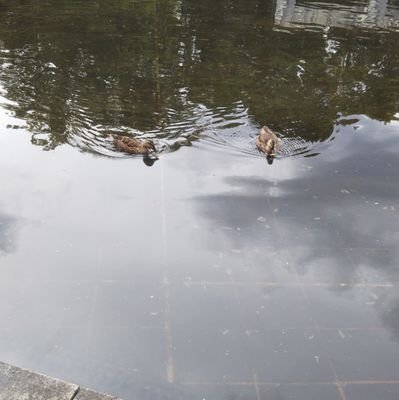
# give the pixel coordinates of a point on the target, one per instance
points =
(267, 142)
(133, 145)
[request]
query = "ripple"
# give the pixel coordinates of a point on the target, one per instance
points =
(88, 125)
(227, 129)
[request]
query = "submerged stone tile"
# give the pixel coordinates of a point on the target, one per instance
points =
(138, 350)
(344, 307)
(205, 306)
(18, 384)
(186, 265)
(363, 355)
(265, 265)
(376, 265)
(268, 307)
(87, 394)
(289, 356)
(299, 392)
(214, 355)
(372, 391)
(129, 305)
(55, 304)
(323, 265)
(236, 391)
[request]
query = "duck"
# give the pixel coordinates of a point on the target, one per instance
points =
(133, 145)
(267, 141)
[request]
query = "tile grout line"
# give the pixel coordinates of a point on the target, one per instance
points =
(237, 296)
(163, 223)
(349, 254)
(90, 326)
(340, 390)
(264, 383)
(255, 378)
(170, 373)
(337, 383)
(227, 283)
(382, 382)
(91, 315)
(170, 370)
(296, 284)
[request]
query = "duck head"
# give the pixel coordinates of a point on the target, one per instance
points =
(149, 160)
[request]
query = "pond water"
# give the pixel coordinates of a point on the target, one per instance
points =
(210, 274)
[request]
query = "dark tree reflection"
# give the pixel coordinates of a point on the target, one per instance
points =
(76, 71)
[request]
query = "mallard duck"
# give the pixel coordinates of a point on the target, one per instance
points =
(133, 145)
(267, 142)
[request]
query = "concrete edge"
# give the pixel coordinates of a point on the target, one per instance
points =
(20, 383)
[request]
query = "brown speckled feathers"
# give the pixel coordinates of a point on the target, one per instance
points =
(133, 145)
(267, 141)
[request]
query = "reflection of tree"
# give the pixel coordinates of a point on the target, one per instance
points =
(93, 66)
(127, 64)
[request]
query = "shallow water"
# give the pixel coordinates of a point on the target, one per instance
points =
(210, 275)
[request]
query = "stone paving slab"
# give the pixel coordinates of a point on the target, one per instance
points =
(21, 384)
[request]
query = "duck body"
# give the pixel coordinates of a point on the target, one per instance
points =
(267, 142)
(132, 145)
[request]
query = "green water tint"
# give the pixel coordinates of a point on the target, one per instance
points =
(181, 71)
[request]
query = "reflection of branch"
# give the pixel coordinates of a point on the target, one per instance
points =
(158, 86)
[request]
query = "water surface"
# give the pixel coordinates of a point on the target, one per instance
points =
(211, 274)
